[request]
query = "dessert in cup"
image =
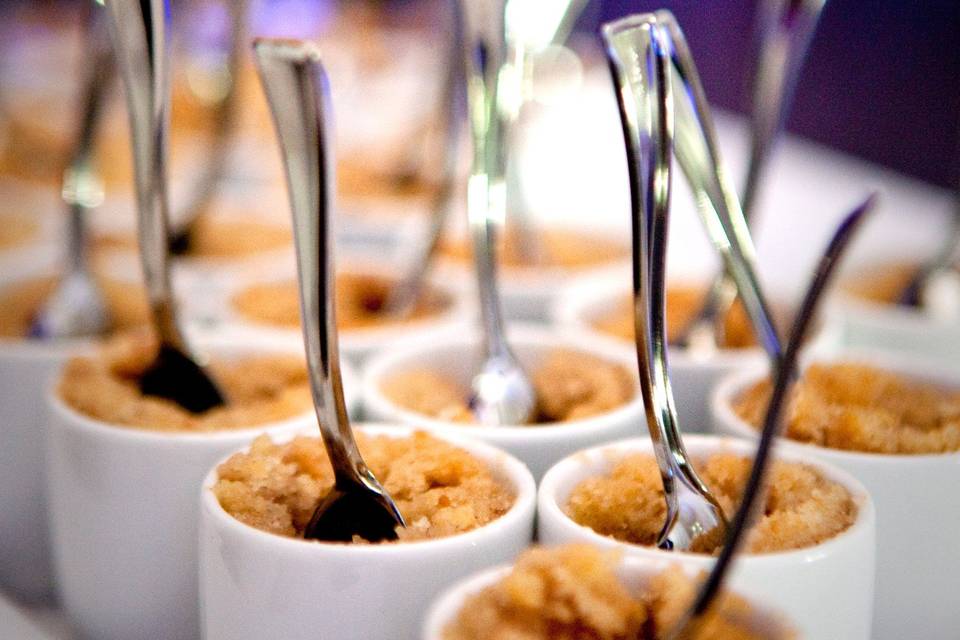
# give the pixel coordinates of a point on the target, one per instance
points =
(313, 510)
(578, 590)
(889, 420)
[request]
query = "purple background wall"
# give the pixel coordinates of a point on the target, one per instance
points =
(882, 80)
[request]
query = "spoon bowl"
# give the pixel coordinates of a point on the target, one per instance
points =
(138, 31)
(502, 391)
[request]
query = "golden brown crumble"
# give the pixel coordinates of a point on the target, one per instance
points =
(561, 248)
(260, 390)
(570, 386)
(802, 508)
(857, 407)
(440, 489)
(360, 303)
(572, 592)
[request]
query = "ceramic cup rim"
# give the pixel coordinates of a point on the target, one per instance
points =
(459, 310)
(588, 294)
(540, 338)
(735, 383)
(548, 501)
(509, 468)
(133, 434)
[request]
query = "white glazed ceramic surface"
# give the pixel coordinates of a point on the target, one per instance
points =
(918, 511)
(457, 358)
(25, 369)
(825, 590)
(257, 585)
(692, 376)
(632, 572)
(356, 345)
(124, 518)
(863, 324)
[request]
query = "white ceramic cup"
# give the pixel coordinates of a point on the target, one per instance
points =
(633, 572)
(356, 344)
(457, 358)
(529, 293)
(123, 511)
(692, 375)
(918, 510)
(825, 590)
(257, 585)
(864, 324)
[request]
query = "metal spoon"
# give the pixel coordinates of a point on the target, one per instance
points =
(224, 119)
(404, 295)
(501, 392)
(638, 52)
(530, 26)
(138, 29)
(299, 96)
(699, 157)
(784, 30)
(920, 291)
(76, 307)
(772, 425)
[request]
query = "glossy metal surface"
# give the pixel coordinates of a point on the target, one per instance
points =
(224, 118)
(530, 26)
(784, 31)
(699, 157)
(403, 297)
(501, 392)
(138, 30)
(940, 274)
(638, 50)
(772, 424)
(299, 96)
(76, 308)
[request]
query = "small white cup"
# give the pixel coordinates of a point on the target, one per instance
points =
(633, 572)
(356, 344)
(918, 509)
(123, 511)
(529, 293)
(864, 324)
(457, 358)
(257, 585)
(825, 590)
(692, 375)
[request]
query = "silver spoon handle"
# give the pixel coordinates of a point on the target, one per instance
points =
(224, 117)
(699, 157)
(138, 29)
(785, 29)
(81, 189)
(403, 297)
(772, 424)
(485, 53)
(638, 51)
(298, 92)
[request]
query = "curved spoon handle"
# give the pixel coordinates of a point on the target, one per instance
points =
(485, 55)
(638, 52)
(403, 297)
(298, 92)
(82, 189)
(784, 30)
(750, 502)
(699, 157)
(224, 122)
(138, 29)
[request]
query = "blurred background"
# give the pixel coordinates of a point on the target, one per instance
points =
(882, 81)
